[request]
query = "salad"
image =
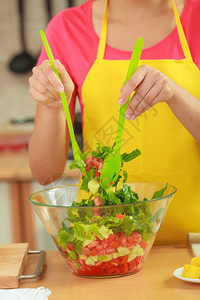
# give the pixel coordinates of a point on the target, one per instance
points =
(104, 234)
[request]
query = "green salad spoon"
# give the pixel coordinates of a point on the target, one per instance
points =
(112, 163)
(75, 147)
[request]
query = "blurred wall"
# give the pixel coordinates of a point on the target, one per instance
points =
(15, 100)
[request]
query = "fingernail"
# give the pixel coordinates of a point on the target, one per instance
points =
(57, 63)
(133, 117)
(120, 101)
(60, 88)
(127, 116)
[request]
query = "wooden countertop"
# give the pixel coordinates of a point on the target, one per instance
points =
(155, 281)
(15, 166)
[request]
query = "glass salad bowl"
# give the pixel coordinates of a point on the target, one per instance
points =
(106, 240)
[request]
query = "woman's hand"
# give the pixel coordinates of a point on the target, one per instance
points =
(45, 85)
(150, 86)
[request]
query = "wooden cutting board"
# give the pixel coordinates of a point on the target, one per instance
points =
(13, 258)
(194, 241)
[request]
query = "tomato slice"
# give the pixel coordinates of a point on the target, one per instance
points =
(115, 244)
(70, 247)
(113, 271)
(97, 201)
(124, 268)
(110, 250)
(111, 238)
(143, 244)
(86, 251)
(115, 262)
(97, 174)
(88, 160)
(98, 263)
(123, 259)
(95, 162)
(119, 216)
(93, 244)
(94, 252)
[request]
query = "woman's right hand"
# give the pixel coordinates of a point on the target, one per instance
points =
(45, 85)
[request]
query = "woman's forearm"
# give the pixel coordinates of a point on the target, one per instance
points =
(49, 143)
(151, 87)
(187, 110)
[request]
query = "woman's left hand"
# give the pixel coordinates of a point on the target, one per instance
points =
(150, 86)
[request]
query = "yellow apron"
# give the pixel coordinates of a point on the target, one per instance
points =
(169, 152)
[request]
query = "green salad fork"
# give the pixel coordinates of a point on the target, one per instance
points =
(112, 163)
(75, 147)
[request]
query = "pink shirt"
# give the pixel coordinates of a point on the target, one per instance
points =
(74, 41)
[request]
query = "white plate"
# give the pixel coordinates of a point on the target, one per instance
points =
(178, 274)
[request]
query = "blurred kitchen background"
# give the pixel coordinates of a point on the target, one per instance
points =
(18, 52)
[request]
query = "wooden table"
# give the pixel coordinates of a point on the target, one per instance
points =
(155, 281)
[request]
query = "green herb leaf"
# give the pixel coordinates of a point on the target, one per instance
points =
(102, 152)
(126, 157)
(125, 176)
(112, 199)
(159, 193)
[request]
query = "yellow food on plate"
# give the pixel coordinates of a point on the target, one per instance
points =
(195, 261)
(192, 270)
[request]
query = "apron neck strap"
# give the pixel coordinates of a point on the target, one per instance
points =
(103, 36)
(181, 34)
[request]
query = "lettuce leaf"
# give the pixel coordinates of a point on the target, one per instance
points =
(65, 237)
(76, 165)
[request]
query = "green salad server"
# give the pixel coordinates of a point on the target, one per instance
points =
(112, 163)
(75, 147)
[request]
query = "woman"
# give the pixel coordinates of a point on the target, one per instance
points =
(163, 116)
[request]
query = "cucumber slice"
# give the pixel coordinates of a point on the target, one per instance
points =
(105, 257)
(89, 261)
(93, 186)
(123, 251)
